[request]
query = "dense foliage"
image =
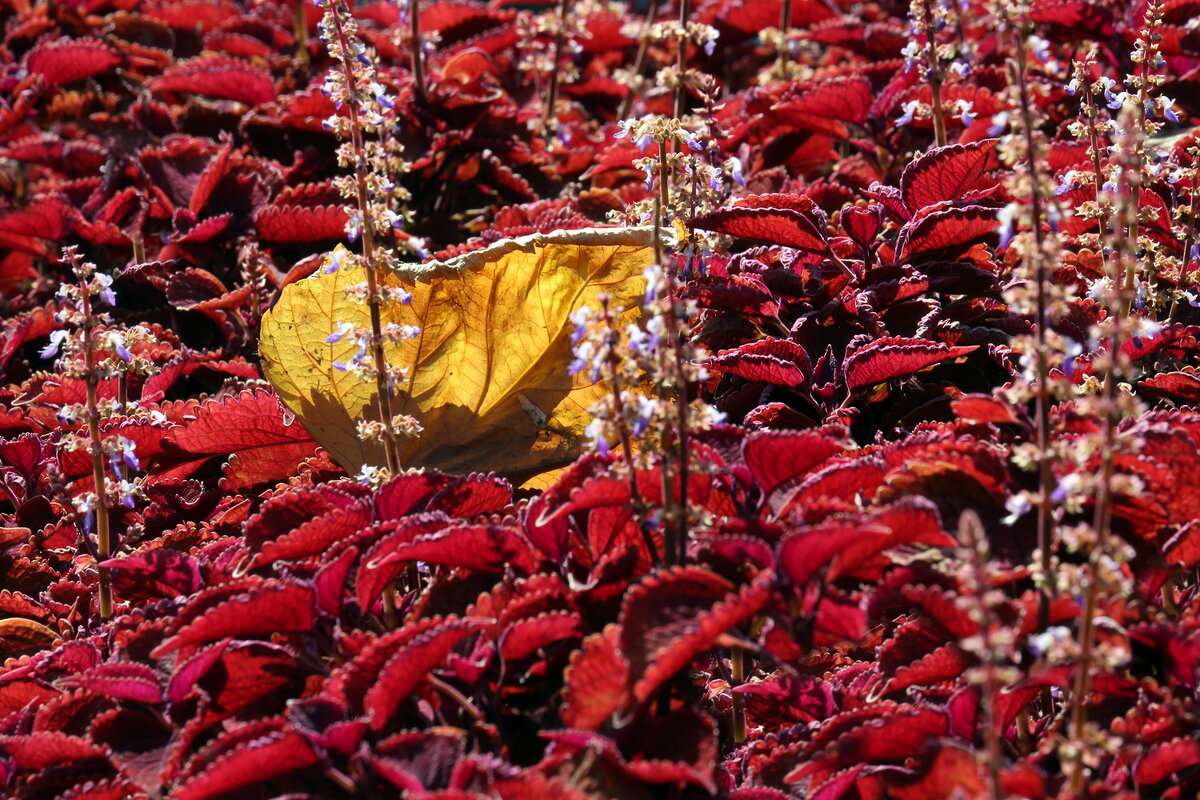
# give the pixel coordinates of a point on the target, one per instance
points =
(943, 544)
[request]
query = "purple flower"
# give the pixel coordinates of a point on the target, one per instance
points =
(343, 329)
(56, 341)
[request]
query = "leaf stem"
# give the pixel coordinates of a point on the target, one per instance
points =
(383, 391)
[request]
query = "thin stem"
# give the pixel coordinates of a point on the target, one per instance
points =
(416, 49)
(300, 29)
(681, 58)
(935, 78)
(668, 487)
(91, 382)
(560, 43)
(785, 26)
(639, 61)
(737, 658)
(383, 391)
(1045, 523)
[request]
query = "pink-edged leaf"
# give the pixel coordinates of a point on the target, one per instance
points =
(217, 76)
(675, 614)
(895, 357)
(945, 232)
(410, 663)
(789, 220)
(315, 536)
(250, 425)
(946, 663)
(187, 673)
(43, 749)
(268, 608)
(255, 761)
(155, 574)
(778, 458)
(369, 582)
(286, 223)
(521, 639)
(1182, 387)
(898, 734)
(780, 362)
(408, 493)
(492, 548)
(947, 173)
(473, 495)
(1183, 549)
(1161, 762)
(595, 682)
(827, 107)
(122, 681)
(63, 60)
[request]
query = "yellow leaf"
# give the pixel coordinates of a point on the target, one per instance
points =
(488, 374)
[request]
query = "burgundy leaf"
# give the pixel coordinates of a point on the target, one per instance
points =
(945, 233)
(596, 682)
(789, 220)
(778, 458)
(271, 607)
(776, 361)
(947, 173)
(892, 357)
(493, 548)
(62, 61)
(255, 761)
(217, 76)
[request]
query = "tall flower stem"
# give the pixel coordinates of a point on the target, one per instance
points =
(639, 61)
(91, 384)
(1045, 518)
(935, 76)
(560, 44)
(383, 390)
(685, 10)
(416, 49)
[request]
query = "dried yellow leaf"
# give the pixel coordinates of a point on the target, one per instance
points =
(488, 375)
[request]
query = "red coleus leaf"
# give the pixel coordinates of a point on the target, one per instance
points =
(1182, 386)
(903, 732)
(945, 232)
(595, 682)
(369, 582)
(315, 536)
(217, 76)
(493, 548)
(252, 426)
(827, 107)
(472, 495)
(946, 663)
(780, 362)
(787, 219)
(521, 639)
(122, 681)
(895, 357)
(64, 60)
(411, 653)
(948, 173)
(249, 762)
(27, 229)
(1183, 549)
(301, 224)
(673, 615)
(779, 458)
(37, 751)
(1163, 761)
(263, 608)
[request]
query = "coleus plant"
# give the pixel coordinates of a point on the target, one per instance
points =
(857, 608)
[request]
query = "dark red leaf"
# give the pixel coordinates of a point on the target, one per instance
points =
(416, 651)
(315, 536)
(261, 610)
(780, 458)
(789, 220)
(251, 762)
(596, 682)
(369, 582)
(776, 361)
(62, 61)
(44, 749)
(493, 548)
(520, 639)
(947, 173)
(895, 357)
(1161, 762)
(217, 76)
(675, 614)
(945, 233)
(827, 107)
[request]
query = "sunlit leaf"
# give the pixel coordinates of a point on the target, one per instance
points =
(494, 343)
